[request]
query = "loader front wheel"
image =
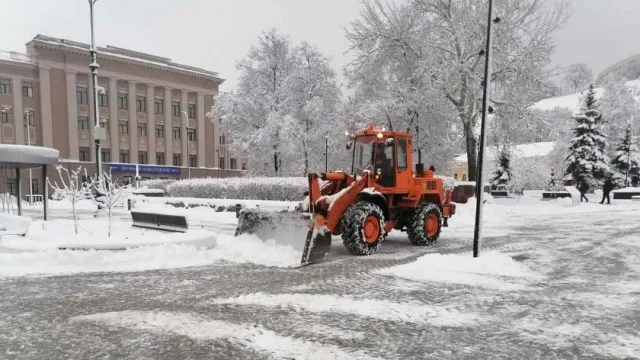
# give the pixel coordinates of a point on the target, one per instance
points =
(362, 228)
(425, 225)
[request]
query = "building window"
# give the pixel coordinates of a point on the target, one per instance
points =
(142, 129)
(232, 164)
(160, 131)
(160, 158)
(83, 123)
(123, 103)
(31, 117)
(221, 163)
(12, 187)
(102, 100)
(193, 161)
(192, 111)
(244, 165)
(464, 177)
(104, 123)
(141, 104)
(222, 139)
(106, 156)
(177, 160)
(81, 95)
(455, 177)
(5, 86)
(35, 186)
(123, 128)
(191, 134)
(27, 89)
(84, 154)
(175, 108)
(124, 156)
(142, 157)
(158, 106)
(402, 154)
(176, 133)
(6, 116)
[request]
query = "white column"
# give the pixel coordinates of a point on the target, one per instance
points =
(45, 107)
(168, 127)
(18, 113)
(114, 136)
(151, 124)
(133, 123)
(184, 121)
(201, 130)
(72, 114)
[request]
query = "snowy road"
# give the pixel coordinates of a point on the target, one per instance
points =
(582, 301)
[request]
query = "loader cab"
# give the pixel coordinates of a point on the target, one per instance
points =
(385, 155)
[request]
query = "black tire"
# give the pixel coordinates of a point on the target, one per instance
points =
(416, 226)
(352, 227)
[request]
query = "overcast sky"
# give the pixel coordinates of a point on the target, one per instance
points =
(214, 34)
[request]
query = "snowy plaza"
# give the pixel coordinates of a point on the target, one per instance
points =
(552, 281)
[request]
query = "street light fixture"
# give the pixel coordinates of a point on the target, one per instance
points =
(186, 133)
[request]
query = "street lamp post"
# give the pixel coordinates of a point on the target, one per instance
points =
(27, 124)
(97, 130)
(485, 112)
(186, 133)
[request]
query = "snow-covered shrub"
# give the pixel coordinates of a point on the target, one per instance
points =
(156, 184)
(251, 188)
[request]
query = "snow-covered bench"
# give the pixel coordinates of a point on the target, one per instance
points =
(160, 220)
(14, 224)
(635, 198)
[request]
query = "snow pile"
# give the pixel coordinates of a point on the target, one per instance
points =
(491, 269)
(570, 102)
(412, 312)
(256, 188)
(200, 328)
(158, 184)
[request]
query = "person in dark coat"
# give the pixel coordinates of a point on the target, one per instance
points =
(584, 187)
(606, 189)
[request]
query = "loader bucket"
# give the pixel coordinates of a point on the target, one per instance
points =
(286, 228)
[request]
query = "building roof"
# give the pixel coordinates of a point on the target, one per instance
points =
(16, 57)
(539, 149)
(130, 56)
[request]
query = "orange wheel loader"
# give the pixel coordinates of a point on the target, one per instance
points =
(383, 192)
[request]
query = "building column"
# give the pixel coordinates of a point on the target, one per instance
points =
(133, 123)
(168, 127)
(18, 113)
(200, 130)
(217, 148)
(114, 136)
(72, 113)
(45, 107)
(184, 121)
(151, 124)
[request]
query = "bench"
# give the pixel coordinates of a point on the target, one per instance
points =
(159, 221)
(14, 224)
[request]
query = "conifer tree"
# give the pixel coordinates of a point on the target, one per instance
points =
(503, 174)
(626, 162)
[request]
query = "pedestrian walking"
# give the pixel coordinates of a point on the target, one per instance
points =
(606, 189)
(584, 187)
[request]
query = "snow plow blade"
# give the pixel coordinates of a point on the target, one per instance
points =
(287, 228)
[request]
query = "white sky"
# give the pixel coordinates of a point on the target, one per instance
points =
(214, 34)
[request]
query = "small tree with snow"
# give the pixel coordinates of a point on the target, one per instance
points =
(626, 162)
(503, 174)
(587, 161)
(108, 194)
(71, 188)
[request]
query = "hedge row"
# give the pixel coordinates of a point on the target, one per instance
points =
(156, 184)
(256, 188)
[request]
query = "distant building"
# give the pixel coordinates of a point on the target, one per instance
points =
(153, 110)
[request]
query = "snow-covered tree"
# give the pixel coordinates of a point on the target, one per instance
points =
(503, 173)
(626, 162)
(108, 194)
(71, 188)
(421, 62)
(620, 107)
(577, 77)
(283, 107)
(587, 160)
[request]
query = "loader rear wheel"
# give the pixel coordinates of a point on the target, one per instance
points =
(425, 225)
(362, 228)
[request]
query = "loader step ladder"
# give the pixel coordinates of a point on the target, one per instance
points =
(159, 221)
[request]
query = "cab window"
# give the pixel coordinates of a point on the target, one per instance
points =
(402, 154)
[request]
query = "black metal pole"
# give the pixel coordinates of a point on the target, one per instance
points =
(477, 232)
(626, 176)
(94, 76)
(19, 193)
(45, 191)
(326, 154)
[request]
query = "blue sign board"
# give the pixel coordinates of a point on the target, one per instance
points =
(144, 169)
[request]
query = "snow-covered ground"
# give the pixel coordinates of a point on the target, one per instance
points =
(552, 281)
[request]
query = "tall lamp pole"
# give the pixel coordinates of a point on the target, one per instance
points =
(97, 130)
(485, 111)
(27, 124)
(186, 133)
